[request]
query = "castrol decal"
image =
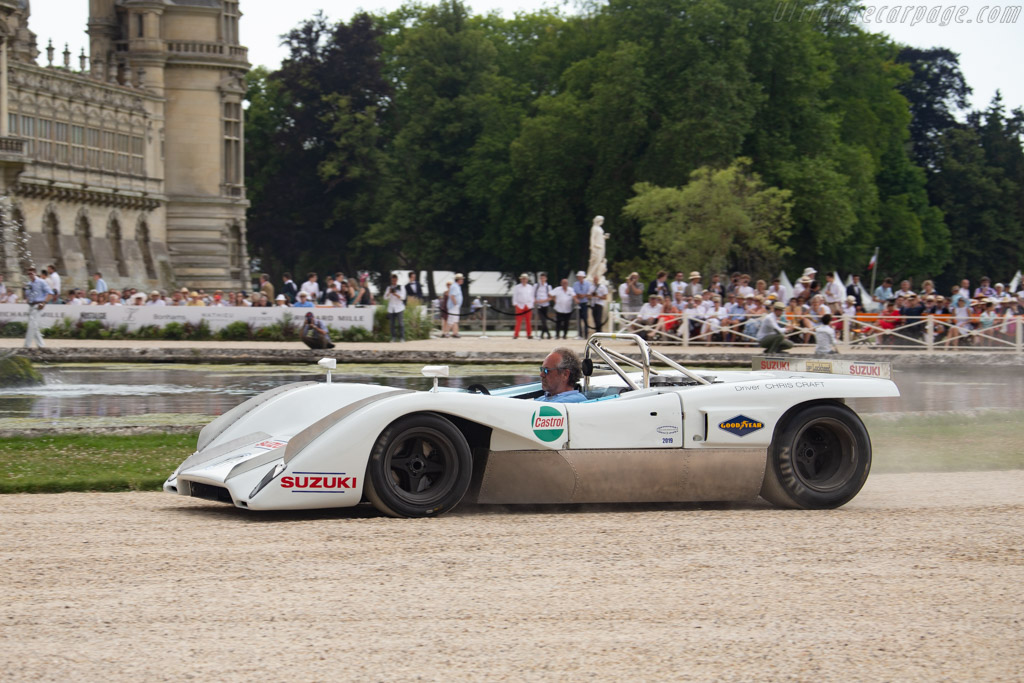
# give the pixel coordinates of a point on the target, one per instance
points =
(548, 423)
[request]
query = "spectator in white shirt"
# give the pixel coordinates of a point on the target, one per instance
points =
(395, 296)
(565, 301)
(834, 292)
(522, 299)
(648, 316)
(311, 288)
(825, 337)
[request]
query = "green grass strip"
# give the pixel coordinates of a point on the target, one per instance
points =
(94, 462)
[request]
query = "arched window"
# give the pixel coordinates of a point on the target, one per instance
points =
(142, 237)
(51, 231)
(114, 235)
(83, 231)
(235, 251)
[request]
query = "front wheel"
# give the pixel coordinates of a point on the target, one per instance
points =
(420, 466)
(819, 459)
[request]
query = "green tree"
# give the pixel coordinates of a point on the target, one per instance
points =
(445, 74)
(936, 91)
(978, 186)
(313, 146)
(721, 220)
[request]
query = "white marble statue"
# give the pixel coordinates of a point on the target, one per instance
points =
(598, 265)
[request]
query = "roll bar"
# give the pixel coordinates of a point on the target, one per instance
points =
(612, 359)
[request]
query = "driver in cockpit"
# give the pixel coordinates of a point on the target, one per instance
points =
(559, 374)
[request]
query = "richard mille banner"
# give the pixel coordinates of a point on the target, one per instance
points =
(216, 317)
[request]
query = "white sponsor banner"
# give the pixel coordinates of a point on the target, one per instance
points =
(217, 317)
(832, 366)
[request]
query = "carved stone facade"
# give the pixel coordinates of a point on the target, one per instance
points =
(132, 165)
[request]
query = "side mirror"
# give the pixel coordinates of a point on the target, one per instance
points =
(328, 364)
(435, 371)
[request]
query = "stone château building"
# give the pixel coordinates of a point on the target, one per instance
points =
(128, 161)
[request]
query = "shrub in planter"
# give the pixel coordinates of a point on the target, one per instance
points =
(90, 329)
(13, 328)
(199, 332)
(353, 334)
(174, 331)
(236, 331)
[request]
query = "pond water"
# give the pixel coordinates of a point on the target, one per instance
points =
(124, 390)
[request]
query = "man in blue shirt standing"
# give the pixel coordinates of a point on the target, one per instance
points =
(558, 376)
(583, 289)
(37, 294)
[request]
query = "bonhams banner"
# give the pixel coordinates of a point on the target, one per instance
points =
(216, 317)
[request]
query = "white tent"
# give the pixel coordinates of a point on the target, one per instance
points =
(787, 286)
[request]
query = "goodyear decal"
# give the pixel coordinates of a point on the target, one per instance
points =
(548, 423)
(741, 425)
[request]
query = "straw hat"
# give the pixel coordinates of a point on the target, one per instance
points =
(695, 275)
(779, 306)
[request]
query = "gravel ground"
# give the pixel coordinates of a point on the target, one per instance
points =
(917, 579)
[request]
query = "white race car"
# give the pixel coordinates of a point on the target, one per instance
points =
(651, 431)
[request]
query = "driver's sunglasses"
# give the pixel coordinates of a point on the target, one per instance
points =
(545, 371)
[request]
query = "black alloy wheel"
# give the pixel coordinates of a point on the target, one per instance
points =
(420, 466)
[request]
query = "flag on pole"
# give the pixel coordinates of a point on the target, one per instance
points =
(874, 260)
(1015, 283)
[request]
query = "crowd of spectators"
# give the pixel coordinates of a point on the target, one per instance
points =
(733, 309)
(736, 309)
(337, 290)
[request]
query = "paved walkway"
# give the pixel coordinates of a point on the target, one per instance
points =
(493, 349)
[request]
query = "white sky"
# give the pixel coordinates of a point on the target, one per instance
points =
(991, 54)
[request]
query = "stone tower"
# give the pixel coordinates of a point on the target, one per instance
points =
(187, 53)
(131, 163)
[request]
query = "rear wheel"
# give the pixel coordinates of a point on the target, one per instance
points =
(420, 466)
(819, 459)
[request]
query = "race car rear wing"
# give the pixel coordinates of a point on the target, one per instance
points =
(831, 366)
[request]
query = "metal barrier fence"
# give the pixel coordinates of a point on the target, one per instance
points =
(928, 332)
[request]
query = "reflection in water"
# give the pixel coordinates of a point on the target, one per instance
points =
(124, 390)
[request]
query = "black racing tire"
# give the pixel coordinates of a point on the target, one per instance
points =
(420, 466)
(819, 459)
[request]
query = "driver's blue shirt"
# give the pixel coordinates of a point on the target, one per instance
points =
(571, 396)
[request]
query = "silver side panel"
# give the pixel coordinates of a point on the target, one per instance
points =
(622, 476)
(217, 427)
(307, 435)
(200, 457)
